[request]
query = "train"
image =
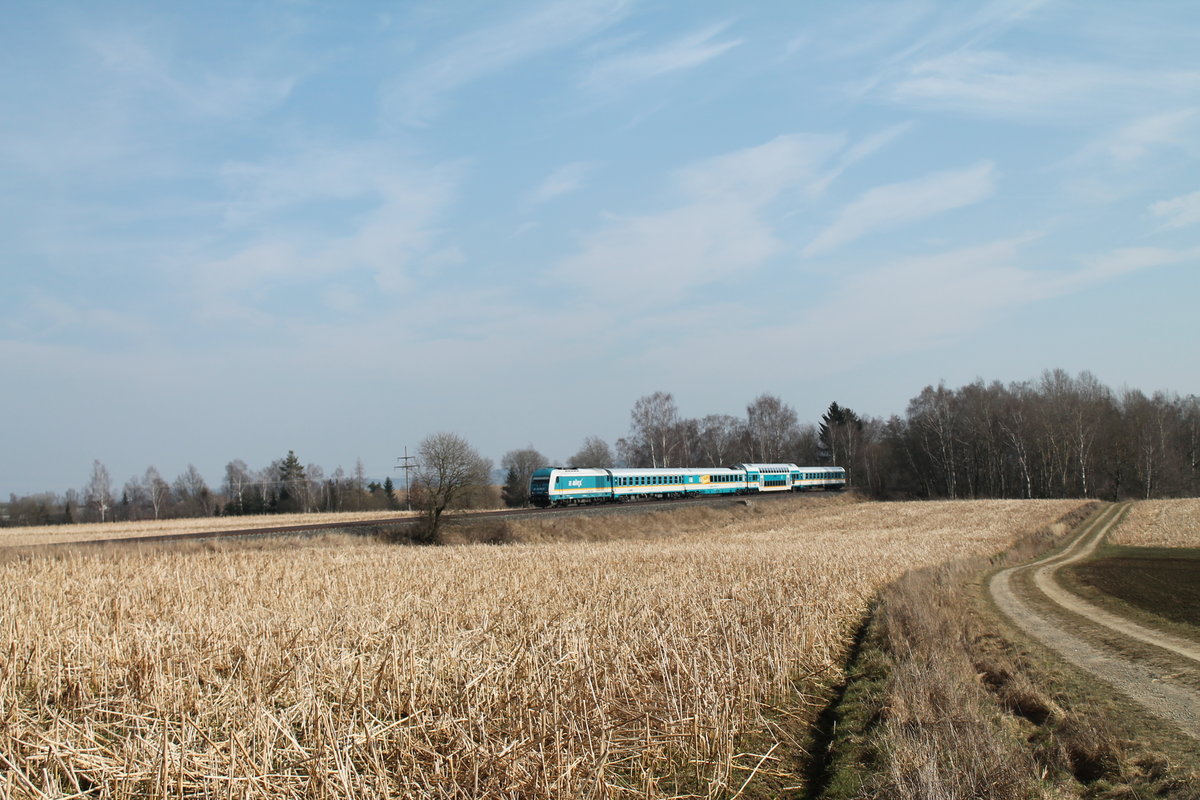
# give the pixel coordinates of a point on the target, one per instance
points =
(557, 486)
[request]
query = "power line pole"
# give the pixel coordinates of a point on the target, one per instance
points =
(406, 466)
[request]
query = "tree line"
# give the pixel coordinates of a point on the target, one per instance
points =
(284, 486)
(1056, 436)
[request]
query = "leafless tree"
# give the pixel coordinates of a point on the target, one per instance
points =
(136, 498)
(519, 466)
(193, 493)
(98, 494)
(237, 480)
(720, 440)
(772, 425)
(157, 491)
(933, 415)
(595, 452)
(653, 439)
(358, 486)
(338, 488)
(448, 469)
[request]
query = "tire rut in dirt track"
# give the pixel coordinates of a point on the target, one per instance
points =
(1175, 703)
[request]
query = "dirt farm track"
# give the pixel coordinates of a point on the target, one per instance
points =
(1169, 693)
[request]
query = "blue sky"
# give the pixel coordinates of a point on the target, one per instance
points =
(236, 229)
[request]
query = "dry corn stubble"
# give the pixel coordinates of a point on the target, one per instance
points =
(87, 531)
(592, 669)
(1160, 523)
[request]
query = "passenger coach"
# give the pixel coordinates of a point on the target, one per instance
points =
(558, 486)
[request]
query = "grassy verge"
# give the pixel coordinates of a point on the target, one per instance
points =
(943, 700)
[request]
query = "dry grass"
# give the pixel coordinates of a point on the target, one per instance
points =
(1160, 523)
(939, 706)
(82, 532)
(351, 668)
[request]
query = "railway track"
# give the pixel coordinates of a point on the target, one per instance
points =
(367, 526)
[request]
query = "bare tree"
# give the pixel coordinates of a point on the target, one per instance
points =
(653, 432)
(136, 497)
(358, 486)
(98, 494)
(594, 453)
(237, 479)
(933, 416)
(772, 425)
(157, 491)
(315, 475)
(719, 440)
(193, 493)
(519, 466)
(448, 470)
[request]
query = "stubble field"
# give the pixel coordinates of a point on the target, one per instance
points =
(83, 532)
(632, 665)
(1160, 523)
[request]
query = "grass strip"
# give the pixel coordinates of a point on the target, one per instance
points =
(938, 704)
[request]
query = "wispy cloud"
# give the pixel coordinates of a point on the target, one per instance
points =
(718, 233)
(927, 297)
(564, 180)
(421, 94)
(863, 149)
(937, 296)
(758, 174)
(1143, 136)
(46, 316)
(237, 88)
(283, 206)
(1130, 158)
(625, 68)
(898, 204)
(947, 30)
(1121, 261)
(998, 84)
(1178, 212)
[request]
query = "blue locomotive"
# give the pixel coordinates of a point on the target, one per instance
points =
(554, 486)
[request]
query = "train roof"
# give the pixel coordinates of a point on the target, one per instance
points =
(670, 470)
(761, 467)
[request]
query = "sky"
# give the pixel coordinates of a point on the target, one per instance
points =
(236, 229)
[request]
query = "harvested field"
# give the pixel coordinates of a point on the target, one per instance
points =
(348, 668)
(82, 532)
(1160, 523)
(1162, 582)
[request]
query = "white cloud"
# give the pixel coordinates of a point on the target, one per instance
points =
(236, 87)
(864, 149)
(930, 298)
(564, 180)
(899, 204)
(718, 233)
(420, 95)
(998, 84)
(1143, 137)
(758, 174)
(1122, 261)
(1179, 212)
(42, 314)
(687, 52)
(926, 297)
(275, 202)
